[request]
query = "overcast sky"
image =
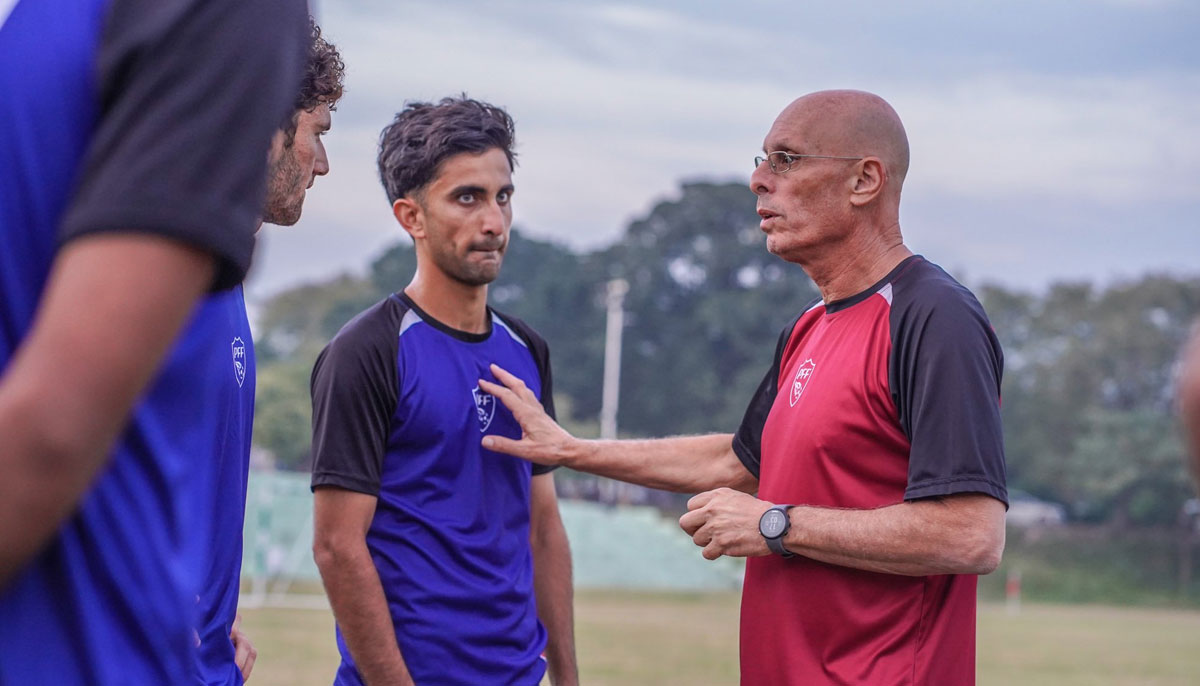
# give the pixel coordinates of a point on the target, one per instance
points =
(1051, 139)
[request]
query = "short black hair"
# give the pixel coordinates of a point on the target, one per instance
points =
(424, 134)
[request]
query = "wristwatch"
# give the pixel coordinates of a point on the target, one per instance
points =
(774, 525)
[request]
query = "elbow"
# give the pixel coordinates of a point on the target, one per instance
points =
(331, 550)
(983, 553)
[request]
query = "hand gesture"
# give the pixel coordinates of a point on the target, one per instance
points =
(725, 522)
(542, 440)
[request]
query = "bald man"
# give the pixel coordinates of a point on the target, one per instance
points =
(866, 484)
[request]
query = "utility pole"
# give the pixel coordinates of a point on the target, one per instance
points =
(617, 288)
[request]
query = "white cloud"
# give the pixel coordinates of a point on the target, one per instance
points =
(1095, 139)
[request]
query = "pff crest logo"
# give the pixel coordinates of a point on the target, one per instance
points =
(485, 408)
(803, 375)
(239, 360)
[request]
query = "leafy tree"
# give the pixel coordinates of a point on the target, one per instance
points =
(1087, 387)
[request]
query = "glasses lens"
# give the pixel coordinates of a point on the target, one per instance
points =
(780, 162)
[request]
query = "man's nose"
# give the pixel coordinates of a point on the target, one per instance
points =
(321, 164)
(494, 219)
(761, 179)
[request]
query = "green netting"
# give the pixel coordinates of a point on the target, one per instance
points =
(611, 546)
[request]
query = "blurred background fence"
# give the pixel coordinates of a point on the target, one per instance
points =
(619, 545)
(612, 546)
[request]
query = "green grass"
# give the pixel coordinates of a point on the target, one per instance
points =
(630, 638)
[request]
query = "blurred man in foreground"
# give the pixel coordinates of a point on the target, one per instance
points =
(134, 136)
(225, 655)
(873, 443)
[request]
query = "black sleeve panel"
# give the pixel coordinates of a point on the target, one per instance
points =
(190, 93)
(355, 389)
(945, 371)
(541, 357)
(747, 442)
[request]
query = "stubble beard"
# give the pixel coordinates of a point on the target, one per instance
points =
(285, 186)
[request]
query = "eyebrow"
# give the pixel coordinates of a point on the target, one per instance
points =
(781, 147)
(477, 190)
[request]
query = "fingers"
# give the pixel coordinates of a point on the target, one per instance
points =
(508, 378)
(513, 382)
(691, 522)
(249, 665)
(501, 444)
(244, 653)
(510, 399)
(701, 499)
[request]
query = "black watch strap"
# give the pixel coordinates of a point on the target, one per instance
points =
(776, 544)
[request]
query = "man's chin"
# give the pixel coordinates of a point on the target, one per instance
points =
(282, 217)
(480, 277)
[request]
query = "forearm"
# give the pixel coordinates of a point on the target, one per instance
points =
(67, 392)
(361, 610)
(964, 535)
(555, 598)
(685, 464)
(43, 479)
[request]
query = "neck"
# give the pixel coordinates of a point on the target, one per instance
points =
(451, 302)
(857, 263)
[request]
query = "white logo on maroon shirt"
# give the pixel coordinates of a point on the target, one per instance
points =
(803, 374)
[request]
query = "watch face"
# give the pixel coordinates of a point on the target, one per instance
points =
(773, 523)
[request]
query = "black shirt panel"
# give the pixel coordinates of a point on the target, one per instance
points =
(944, 373)
(747, 441)
(190, 94)
(541, 356)
(355, 389)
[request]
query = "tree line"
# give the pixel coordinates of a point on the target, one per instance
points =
(1087, 392)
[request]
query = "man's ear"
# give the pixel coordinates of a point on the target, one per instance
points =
(410, 215)
(869, 182)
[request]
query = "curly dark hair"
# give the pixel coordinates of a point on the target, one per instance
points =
(424, 134)
(323, 79)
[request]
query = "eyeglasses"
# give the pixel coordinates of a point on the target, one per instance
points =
(782, 161)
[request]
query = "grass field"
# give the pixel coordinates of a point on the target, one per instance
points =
(675, 639)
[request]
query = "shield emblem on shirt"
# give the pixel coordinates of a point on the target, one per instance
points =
(239, 361)
(485, 408)
(803, 375)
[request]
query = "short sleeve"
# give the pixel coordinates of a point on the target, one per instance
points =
(541, 357)
(747, 442)
(945, 371)
(354, 396)
(190, 95)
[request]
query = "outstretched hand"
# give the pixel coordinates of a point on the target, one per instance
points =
(542, 440)
(725, 522)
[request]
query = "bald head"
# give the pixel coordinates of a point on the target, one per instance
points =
(846, 122)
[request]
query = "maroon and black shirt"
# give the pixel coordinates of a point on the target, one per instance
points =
(890, 395)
